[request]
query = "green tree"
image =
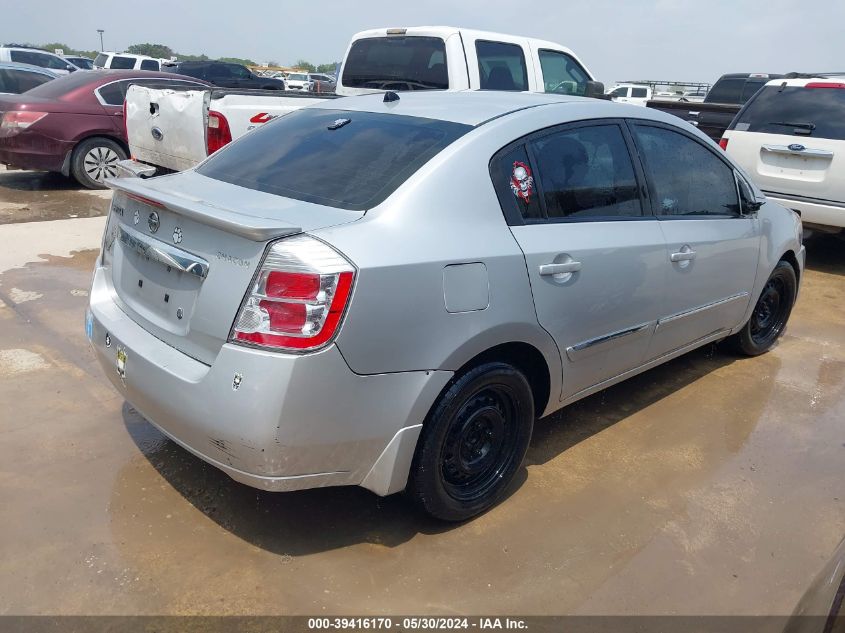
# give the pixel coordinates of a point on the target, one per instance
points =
(327, 68)
(305, 65)
(238, 60)
(152, 50)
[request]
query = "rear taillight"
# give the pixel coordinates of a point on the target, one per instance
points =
(218, 133)
(723, 143)
(298, 297)
(20, 120)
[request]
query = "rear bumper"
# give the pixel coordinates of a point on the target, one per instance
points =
(31, 150)
(286, 423)
(812, 211)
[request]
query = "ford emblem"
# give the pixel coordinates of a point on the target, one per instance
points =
(153, 222)
(157, 133)
(797, 147)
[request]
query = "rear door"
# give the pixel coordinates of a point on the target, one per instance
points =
(712, 248)
(791, 140)
(595, 258)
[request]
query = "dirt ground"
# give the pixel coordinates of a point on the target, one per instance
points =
(710, 485)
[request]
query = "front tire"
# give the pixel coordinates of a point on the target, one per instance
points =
(770, 314)
(473, 443)
(94, 160)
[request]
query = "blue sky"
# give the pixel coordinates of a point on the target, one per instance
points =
(692, 40)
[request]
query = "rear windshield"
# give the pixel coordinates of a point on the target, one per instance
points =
(123, 63)
(397, 63)
(354, 166)
(814, 112)
(58, 88)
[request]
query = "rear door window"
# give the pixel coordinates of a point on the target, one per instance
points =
(501, 66)
(29, 57)
(124, 63)
(397, 63)
(688, 180)
(586, 172)
(562, 74)
(349, 160)
(794, 110)
(639, 93)
(149, 64)
(113, 93)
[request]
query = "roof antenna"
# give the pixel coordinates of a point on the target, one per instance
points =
(390, 96)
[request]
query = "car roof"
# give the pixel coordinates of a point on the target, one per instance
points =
(750, 75)
(29, 67)
(446, 31)
(470, 107)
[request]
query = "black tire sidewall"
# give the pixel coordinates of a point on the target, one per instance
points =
(77, 169)
(425, 484)
(744, 340)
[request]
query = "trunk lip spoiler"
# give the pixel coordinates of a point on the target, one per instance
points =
(252, 228)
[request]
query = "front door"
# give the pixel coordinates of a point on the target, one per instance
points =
(594, 257)
(712, 247)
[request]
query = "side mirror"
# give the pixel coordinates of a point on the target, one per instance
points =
(595, 89)
(71, 68)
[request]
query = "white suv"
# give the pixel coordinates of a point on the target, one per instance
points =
(36, 57)
(790, 138)
(126, 61)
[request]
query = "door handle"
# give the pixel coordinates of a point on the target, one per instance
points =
(560, 269)
(682, 256)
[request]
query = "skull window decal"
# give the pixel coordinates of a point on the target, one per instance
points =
(522, 182)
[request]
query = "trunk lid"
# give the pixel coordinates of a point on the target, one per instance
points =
(183, 249)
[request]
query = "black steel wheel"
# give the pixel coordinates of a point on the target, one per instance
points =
(771, 312)
(473, 442)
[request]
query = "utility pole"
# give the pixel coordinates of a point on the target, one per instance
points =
(100, 31)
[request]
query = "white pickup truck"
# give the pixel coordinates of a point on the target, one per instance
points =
(170, 130)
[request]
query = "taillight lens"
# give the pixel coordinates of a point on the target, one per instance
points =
(20, 120)
(218, 133)
(298, 298)
(826, 84)
(723, 143)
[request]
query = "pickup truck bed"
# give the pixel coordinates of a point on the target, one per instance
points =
(168, 128)
(711, 118)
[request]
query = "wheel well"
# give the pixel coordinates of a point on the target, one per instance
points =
(525, 358)
(106, 136)
(790, 257)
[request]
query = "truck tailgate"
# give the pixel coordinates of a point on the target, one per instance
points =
(167, 127)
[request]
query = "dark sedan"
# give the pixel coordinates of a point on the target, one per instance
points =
(74, 124)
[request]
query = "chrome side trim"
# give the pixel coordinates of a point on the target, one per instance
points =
(163, 253)
(719, 334)
(600, 343)
(784, 149)
(698, 310)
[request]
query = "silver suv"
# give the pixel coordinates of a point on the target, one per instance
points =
(386, 291)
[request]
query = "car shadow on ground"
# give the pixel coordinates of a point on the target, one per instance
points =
(21, 180)
(826, 253)
(312, 521)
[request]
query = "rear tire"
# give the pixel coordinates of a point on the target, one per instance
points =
(94, 160)
(771, 312)
(472, 443)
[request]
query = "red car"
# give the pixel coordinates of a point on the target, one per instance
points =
(74, 124)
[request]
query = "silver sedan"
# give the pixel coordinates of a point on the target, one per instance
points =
(387, 290)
